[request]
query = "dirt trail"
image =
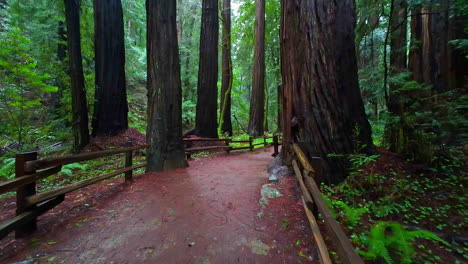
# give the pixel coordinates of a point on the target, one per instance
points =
(207, 213)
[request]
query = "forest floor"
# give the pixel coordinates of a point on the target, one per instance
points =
(206, 213)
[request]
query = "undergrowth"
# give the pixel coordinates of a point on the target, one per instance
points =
(397, 212)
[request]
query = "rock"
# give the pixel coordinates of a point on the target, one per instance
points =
(268, 192)
(276, 170)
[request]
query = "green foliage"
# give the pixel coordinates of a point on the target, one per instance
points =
(386, 237)
(352, 215)
(69, 168)
(359, 160)
(22, 87)
(7, 169)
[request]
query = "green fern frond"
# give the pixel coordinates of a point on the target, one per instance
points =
(386, 236)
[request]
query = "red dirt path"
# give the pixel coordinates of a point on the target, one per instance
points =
(211, 205)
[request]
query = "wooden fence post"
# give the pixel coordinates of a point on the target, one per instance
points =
(227, 141)
(23, 192)
(275, 145)
(251, 143)
(128, 163)
(264, 141)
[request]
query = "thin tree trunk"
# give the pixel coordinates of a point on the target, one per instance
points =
(207, 90)
(316, 107)
(257, 99)
(226, 82)
(110, 105)
(164, 133)
(398, 65)
(61, 55)
(79, 105)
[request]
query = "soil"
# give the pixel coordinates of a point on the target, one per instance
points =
(396, 170)
(206, 213)
(129, 136)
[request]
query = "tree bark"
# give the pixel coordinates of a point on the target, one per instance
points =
(320, 83)
(207, 90)
(164, 133)
(226, 81)
(433, 60)
(61, 55)
(398, 65)
(79, 105)
(110, 105)
(257, 99)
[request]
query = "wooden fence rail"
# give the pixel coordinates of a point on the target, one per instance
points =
(228, 147)
(314, 202)
(29, 170)
(30, 205)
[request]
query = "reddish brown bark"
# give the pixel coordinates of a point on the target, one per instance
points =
(318, 88)
(226, 81)
(398, 65)
(110, 105)
(79, 105)
(207, 90)
(164, 133)
(257, 99)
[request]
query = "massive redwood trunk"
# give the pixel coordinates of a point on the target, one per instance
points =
(257, 98)
(317, 104)
(110, 105)
(79, 105)
(226, 81)
(164, 133)
(207, 91)
(398, 49)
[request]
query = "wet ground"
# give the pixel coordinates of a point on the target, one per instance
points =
(206, 213)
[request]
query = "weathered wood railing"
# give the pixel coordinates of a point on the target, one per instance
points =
(228, 147)
(29, 170)
(315, 204)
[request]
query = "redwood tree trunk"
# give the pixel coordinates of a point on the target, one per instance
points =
(110, 105)
(207, 91)
(316, 103)
(79, 105)
(164, 133)
(257, 99)
(398, 65)
(433, 59)
(226, 82)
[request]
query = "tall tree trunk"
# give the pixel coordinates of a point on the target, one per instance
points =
(316, 97)
(433, 60)
(207, 90)
(187, 87)
(280, 108)
(226, 82)
(79, 105)
(61, 55)
(257, 99)
(110, 105)
(398, 65)
(164, 133)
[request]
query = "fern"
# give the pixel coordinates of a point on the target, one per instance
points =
(68, 169)
(7, 170)
(386, 236)
(353, 215)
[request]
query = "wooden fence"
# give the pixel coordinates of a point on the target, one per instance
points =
(228, 147)
(315, 204)
(29, 170)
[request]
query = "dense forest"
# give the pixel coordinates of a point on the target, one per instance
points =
(376, 89)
